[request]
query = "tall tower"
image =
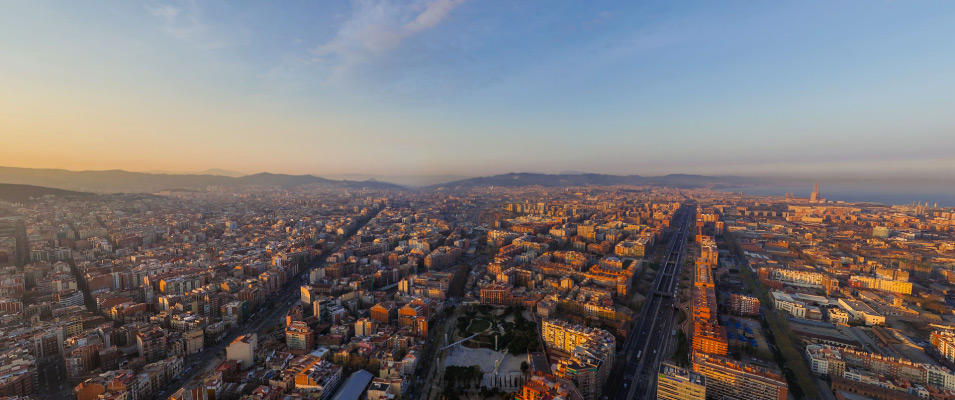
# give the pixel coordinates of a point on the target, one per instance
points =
(814, 197)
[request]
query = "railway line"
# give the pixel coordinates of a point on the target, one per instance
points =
(652, 334)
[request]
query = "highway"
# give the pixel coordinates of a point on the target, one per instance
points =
(281, 302)
(651, 337)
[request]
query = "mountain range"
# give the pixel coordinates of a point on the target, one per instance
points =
(582, 179)
(112, 181)
(24, 193)
(125, 181)
(210, 171)
(403, 180)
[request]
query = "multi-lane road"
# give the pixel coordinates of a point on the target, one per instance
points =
(651, 338)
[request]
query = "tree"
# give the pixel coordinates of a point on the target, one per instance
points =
(522, 338)
(463, 323)
(476, 373)
(524, 366)
(373, 366)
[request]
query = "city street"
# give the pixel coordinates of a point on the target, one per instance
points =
(209, 357)
(650, 339)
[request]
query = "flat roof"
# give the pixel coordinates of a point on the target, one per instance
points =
(355, 386)
(673, 371)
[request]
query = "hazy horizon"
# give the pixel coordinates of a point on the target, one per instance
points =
(467, 88)
(862, 177)
(868, 189)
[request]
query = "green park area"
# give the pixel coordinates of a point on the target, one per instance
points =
(479, 325)
(497, 329)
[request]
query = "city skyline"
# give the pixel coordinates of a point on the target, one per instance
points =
(474, 89)
(464, 199)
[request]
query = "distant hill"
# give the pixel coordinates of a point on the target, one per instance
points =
(139, 182)
(25, 193)
(583, 179)
(403, 180)
(210, 171)
(223, 172)
(113, 181)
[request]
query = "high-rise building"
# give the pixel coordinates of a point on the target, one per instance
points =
(744, 305)
(814, 197)
(384, 312)
(726, 378)
(495, 293)
(944, 343)
(48, 343)
(365, 327)
(298, 336)
(591, 354)
(152, 344)
(194, 341)
(675, 383)
(320, 309)
(708, 335)
(242, 349)
(585, 376)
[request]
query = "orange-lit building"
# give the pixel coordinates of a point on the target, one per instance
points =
(709, 254)
(708, 336)
(316, 376)
(384, 312)
(727, 378)
(542, 386)
(495, 293)
(414, 316)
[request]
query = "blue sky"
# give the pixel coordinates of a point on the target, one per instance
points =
(481, 87)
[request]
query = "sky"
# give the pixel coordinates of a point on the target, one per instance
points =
(480, 87)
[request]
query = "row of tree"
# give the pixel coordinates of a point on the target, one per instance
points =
(458, 379)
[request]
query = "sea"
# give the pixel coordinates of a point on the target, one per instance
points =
(943, 195)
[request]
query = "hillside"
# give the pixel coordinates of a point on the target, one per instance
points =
(25, 193)
(126, 181)
(142, 182)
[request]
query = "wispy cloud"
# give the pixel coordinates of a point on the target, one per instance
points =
(183, 20)
(377, 27)
(166, 12)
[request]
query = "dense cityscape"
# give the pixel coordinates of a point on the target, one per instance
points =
(586, 293)
(469, 200)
